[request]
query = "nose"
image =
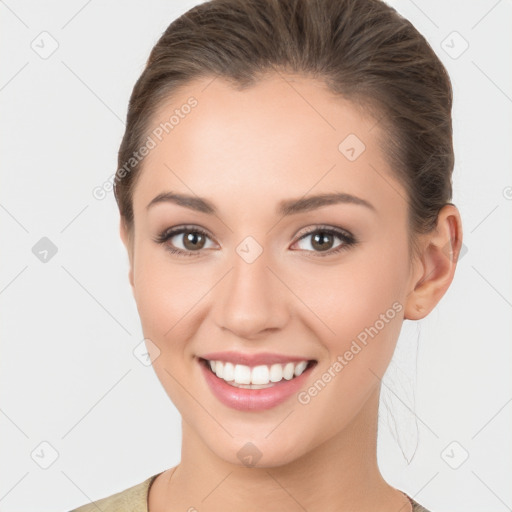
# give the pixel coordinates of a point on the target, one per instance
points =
(252, 301)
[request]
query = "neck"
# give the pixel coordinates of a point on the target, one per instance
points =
(340, 474)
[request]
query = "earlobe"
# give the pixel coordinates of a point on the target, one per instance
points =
(128, 243)
(436, 264)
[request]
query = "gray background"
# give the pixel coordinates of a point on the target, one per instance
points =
(69, 377)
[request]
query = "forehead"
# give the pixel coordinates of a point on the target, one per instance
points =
(283, 136)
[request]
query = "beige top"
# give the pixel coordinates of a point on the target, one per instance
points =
(135, 499)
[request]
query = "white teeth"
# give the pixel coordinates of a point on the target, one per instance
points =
(242, 374)
(276, 373)
(300, 368)
(257, 377)
(260, 375)
(288, 371)
(228, 373)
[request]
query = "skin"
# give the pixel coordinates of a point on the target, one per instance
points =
(245, 152)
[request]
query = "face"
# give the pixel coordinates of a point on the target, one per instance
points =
(253, 270)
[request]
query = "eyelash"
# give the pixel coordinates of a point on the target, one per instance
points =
(346, 237)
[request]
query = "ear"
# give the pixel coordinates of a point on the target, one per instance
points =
(435, 265)
(127, 239)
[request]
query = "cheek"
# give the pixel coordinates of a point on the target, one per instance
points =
(360, 299)
(362, 304)
(163, 293)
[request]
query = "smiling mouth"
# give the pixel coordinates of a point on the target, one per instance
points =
(257, 377)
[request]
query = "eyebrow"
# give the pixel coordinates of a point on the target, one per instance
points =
(285, 207)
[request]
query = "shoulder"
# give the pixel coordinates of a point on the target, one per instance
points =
(133, 499)
(416, 507)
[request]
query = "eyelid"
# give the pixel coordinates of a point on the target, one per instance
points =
(164, 236)
(344, 235)
(177, 230)
(346, 238)
(325, 227)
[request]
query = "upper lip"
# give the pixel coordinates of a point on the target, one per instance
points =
(247, 359)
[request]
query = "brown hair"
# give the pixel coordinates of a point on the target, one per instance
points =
(363, 50)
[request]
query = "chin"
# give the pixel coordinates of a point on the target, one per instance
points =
(258, 451)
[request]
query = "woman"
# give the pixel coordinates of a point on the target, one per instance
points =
(284, 187)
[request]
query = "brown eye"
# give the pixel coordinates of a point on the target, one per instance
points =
(193, 240)
(184, 241)
(323, 241)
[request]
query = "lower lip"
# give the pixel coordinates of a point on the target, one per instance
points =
(244, 399)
